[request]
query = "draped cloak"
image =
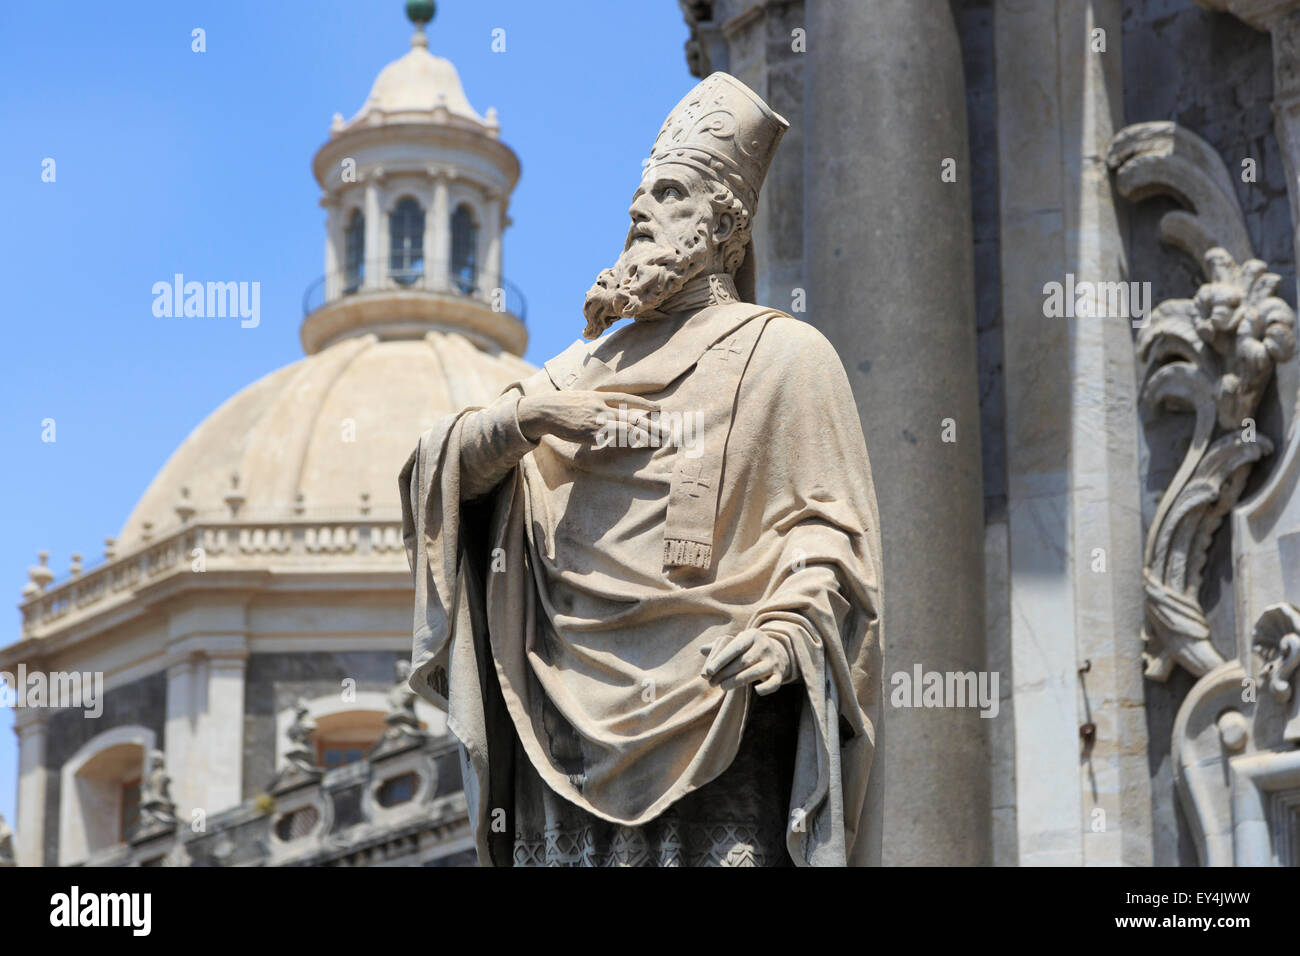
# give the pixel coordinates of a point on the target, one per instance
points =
(563, 602)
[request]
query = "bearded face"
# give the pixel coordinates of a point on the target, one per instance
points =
(674, 238)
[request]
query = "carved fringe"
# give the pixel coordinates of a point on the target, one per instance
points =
(679, 553)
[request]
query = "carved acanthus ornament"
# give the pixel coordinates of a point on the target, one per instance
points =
(1212, 355)
(1277, 649)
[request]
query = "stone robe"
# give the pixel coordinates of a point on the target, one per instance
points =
(562, 604)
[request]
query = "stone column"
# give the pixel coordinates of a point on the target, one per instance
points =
(179, 728)
(888, 258)
(441, 231)
(492, 229)
(333, 274)
(225, 716)
(33, 778)
(376, 259)
(205, 708)
(427, 249)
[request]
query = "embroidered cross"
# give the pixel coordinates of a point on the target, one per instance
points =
(692, 475)
(725, 349)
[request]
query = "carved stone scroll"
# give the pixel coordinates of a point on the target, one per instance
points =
(1211, 355)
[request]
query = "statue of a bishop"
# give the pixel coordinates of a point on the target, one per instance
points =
(648, 576)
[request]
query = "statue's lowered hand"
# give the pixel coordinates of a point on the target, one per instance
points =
(579, 416)
(745, 658)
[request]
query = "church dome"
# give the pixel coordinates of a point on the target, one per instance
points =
(412, 320)
(418, 82)
(310, 439)
(418, 87)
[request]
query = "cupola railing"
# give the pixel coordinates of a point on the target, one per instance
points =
(386, 276)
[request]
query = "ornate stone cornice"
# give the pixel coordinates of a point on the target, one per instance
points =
(428, 142)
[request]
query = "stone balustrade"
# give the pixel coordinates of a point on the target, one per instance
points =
(216, 546)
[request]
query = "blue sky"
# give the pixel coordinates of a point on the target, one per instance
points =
(167, 160)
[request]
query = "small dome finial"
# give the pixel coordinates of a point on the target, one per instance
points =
(420, 12)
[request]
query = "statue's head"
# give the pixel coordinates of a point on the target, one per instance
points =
(693, 210)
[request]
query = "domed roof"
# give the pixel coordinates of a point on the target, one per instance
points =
(331, 427)
(412, 88)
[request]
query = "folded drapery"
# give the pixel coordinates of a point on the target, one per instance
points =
(547, 615)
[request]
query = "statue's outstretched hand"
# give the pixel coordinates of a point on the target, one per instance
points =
(745, 658)
(578, 416)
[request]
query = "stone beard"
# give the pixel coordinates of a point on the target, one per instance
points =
(653, 657)
(651, 270)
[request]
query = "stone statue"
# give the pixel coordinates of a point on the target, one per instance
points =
(658, 558)
(6, 843)
(156, 808)
(401, 719)
(301, 755)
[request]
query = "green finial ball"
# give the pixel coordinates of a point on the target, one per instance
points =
(420, 12)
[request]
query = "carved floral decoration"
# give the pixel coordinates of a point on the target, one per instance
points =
(1212, 355)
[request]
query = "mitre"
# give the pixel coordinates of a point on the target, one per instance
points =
(724, 129)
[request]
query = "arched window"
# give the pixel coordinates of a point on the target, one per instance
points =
(346, 731)
(464, 250)
(346, 737)
(406, 242)
(354, 252)
(99, 793)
